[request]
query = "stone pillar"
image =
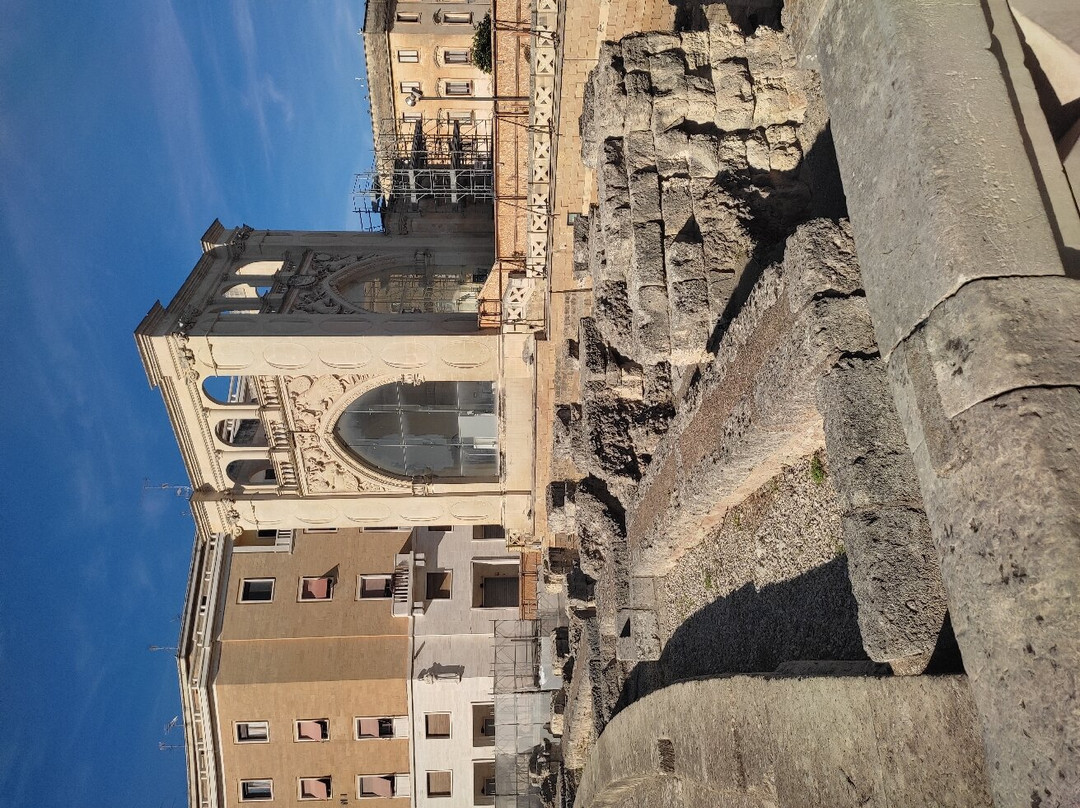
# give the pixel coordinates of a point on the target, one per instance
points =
(979, 329)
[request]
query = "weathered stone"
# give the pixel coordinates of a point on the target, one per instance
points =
(824, 252)
(684, 260)
(667, 71)
(668, 112)
(702, 158)
(757, 151)
(778, 100)
(697, 50)
(669, 153)
(1001, 488)
(675, 205)
(801, 741)
(638, 637)
(599, 116)
(581, 246)
(639, 104)
(700, 101)
(648, 269)
(951, 217)
(1003, 334)
(640, 152)
(652, 329)
(892, 562)
(731, 153)
(734, 96)
(644, 190)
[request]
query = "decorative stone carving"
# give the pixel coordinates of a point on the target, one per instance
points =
(315, 404)
(238, 243)
(186, 356)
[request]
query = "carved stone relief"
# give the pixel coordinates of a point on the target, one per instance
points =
(316, 402)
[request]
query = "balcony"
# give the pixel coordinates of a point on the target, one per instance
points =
(403, 584)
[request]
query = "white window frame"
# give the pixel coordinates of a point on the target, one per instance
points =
(329, 590)
(360, 787)
(460, 56)
(457, 18)
(238, 724)
(296, 730)
(399, 726)
(360, 585)
(329, 789)
(243, 585)
(409, 87)
(408, 56)
(407, 17)
(269, 785)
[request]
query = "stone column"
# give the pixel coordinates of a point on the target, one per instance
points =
(981, 335)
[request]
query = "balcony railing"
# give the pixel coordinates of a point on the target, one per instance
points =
(403, 584)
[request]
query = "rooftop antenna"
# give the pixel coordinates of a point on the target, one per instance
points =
(174, 722)
(168, 747)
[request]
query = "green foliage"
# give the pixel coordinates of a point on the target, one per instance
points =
(481, 44)
(840, 550)
(708, 579)
(817, 469)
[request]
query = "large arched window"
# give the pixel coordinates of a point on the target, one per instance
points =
(441, 429)
(412, 289)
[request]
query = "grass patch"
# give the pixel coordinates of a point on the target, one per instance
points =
(817, 469)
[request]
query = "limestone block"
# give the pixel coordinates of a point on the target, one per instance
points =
(652, 329)
(648, 267)
(615, 229)
(785, 158)
(731, 153)
(644, 196)
(675, 205)
(702, 156)
(669, 111)
(721, 287)
(667, 71)
(768, 53)
(639, 104)
(603, 104)
(726, 41)
(700, 101)
(757, 151)
(697, 50)
(1001, 488)
(591, 350)
(684, 260)
(611, 176)
(611, 309)
(639, 151)
(691, 324)
(824, 252)
(669, 152)
(734, 96)
(892, 561)
(635, 52)
(960, 204)
(778, 100)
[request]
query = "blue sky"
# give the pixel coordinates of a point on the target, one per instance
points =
(126, 127)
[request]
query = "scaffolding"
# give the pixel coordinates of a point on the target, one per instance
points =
(426, 163)
(527, 756)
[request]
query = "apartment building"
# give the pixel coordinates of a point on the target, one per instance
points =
(420, 68)
(361, 452)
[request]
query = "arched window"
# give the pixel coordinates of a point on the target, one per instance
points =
(438, 429)
(230, 389)
(242, 432)
(412, 289)
(251, 472)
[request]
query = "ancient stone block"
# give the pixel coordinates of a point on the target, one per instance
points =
(684, 260)
(669, 111)
(697, 50)
(892, 561)
(734, 96)
(648, 268)
(644, 196)
(611, 175)
(669, 152)
(639, 104)
(700, 101)
(757, 151)
(702, 156)
(675, 205)
(639, 151)
(651, 322)
(667, 71)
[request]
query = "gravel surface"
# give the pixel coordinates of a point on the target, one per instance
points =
(790, 526)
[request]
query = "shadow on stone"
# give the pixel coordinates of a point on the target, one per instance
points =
(810, 617)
